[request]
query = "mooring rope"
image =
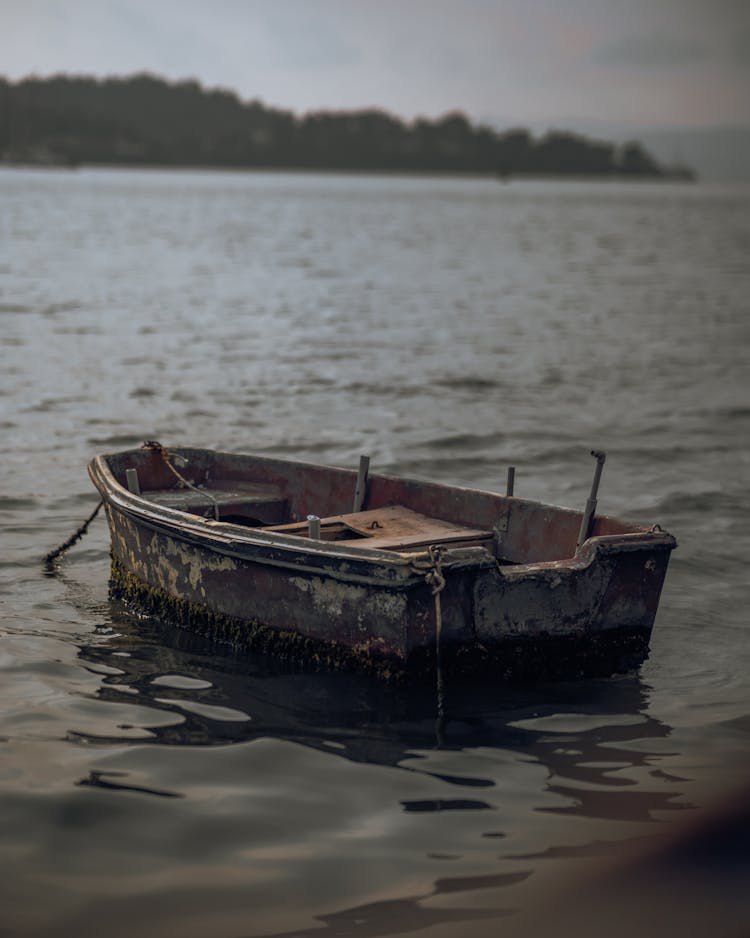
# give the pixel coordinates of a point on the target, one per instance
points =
(432, 571)
(52, 556)
(165, 455)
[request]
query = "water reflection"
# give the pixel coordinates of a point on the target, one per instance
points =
(594, 739)
(239, 776)
(109, 780)
(401, 916)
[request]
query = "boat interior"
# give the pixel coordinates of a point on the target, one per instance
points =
(350, 507)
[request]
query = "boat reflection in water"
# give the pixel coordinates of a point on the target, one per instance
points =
(536, 775)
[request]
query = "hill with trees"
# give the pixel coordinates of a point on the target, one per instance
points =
(144, 120)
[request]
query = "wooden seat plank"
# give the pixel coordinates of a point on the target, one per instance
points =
(392, 528)
(226, 495)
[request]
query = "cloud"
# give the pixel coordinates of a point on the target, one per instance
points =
(303, 39)
(654, 50)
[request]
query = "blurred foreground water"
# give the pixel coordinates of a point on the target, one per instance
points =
(151, 783)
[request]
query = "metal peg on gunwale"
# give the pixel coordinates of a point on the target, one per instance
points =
(361, 487)
(131, 477)
(313, 527)
(511, 480)
(588, 514)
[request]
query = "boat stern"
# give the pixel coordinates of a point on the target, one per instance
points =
(592, 614)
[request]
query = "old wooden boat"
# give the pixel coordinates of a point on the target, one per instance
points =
(339, 567)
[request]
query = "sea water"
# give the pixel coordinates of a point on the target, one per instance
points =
(154, 784)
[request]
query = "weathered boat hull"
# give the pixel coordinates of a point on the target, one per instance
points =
(338, 605)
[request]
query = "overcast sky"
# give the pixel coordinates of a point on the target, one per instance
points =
(646, 63)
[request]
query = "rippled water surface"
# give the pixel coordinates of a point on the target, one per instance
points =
(153, 784)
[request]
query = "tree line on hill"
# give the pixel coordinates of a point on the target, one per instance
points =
(142, 119)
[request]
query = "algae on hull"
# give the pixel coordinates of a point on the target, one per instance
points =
(246, 635)
(545, 657)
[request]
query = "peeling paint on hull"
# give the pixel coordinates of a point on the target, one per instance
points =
(542, 657)
(329, 605)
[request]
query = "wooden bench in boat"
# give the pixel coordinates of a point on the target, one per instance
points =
(241, 501)
(391, 528)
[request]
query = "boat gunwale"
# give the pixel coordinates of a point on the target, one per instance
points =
(229, 539)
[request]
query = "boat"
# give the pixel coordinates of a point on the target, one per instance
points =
(346, 568)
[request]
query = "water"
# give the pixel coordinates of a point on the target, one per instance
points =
(154, 784)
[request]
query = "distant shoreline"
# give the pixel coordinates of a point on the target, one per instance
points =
(332, 171)
(144, 120)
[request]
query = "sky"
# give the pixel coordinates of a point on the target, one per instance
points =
(536, 63)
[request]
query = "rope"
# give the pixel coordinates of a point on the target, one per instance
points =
(434, 578)
(432, 569)
(50, 558)
(162, 451)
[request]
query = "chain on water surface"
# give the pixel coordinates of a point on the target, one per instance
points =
(52, 556)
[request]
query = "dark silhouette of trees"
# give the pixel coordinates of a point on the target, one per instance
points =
(634, 160)
(143, 119)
